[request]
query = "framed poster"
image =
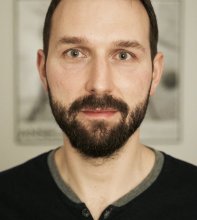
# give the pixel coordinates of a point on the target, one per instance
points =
(34, 123)
(163, 119)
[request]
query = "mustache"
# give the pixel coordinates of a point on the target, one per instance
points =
(94, 101)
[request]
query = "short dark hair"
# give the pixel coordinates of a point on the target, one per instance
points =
(153, 35)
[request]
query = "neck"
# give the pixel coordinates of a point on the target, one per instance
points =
(98, 179)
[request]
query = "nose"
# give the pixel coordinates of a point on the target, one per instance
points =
(100, 78)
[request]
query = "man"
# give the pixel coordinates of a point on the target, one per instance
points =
(99, 65)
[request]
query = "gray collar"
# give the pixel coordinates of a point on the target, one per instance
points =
(145, 184)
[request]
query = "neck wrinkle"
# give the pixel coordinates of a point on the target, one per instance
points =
(93, 177)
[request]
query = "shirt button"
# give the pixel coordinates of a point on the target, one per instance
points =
(85, 213)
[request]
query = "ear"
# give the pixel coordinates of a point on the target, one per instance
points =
(158, 63)
(41, 68)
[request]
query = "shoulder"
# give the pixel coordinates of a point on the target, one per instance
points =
(24, 172)
(179, 172)
(179, 165)
(21, 186)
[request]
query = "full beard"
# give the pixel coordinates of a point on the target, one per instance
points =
(98, 139)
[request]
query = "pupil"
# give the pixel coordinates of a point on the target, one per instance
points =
(123, 56)
(75, 53)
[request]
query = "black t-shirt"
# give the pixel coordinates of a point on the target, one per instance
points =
(29, 192)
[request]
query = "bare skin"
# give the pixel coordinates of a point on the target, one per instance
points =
(100, 32)
(101, 182)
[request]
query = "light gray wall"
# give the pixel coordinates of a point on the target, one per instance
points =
(12, 154)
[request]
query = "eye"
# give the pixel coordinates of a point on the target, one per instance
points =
(74, 53)
(123, 55)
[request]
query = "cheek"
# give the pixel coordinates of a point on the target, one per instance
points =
(134, 86)
(65, 82)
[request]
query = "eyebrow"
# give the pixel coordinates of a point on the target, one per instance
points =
(129, 44)
(71, 40)
(82, 40)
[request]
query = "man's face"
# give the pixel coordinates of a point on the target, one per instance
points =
(99, 72)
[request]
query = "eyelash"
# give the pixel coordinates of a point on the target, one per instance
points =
(133, 56)
(73, 50)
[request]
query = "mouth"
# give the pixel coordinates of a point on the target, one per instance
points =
(99, 112)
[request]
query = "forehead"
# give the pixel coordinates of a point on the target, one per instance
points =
(101, 20)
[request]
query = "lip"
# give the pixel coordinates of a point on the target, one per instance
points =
(99, 113)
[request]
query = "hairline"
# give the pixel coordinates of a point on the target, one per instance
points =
(149, 23)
